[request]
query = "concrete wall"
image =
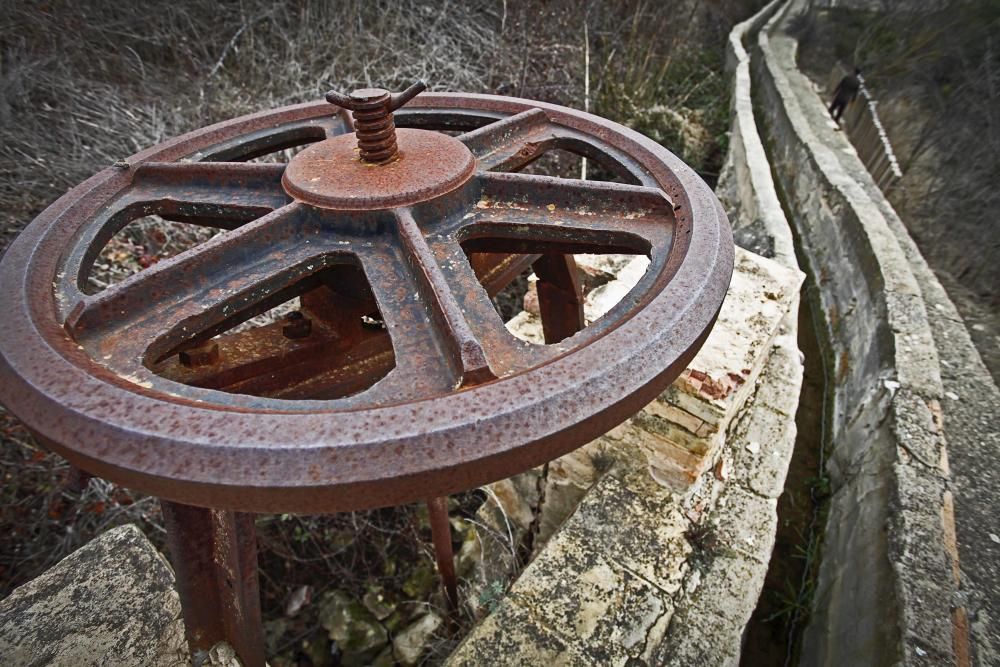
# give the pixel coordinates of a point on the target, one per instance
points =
(642, 572)
(746, 187)
(886, 587)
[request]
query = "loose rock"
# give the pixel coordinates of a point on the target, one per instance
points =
(411, 643)
(355, 629)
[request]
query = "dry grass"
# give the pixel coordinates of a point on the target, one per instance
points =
(85, 84)
(42, 520)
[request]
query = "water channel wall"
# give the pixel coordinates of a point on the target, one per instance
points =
(887, 586)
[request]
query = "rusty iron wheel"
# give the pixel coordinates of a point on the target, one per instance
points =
(100, 378)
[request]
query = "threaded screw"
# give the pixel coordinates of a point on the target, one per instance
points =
(373, 124)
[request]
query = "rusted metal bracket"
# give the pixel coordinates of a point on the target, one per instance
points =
(214, 554)
(560, 297)
(437, 509)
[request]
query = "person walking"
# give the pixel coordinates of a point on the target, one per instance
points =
(845, 93)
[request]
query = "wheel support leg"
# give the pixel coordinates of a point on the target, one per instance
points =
(214, 555)
(560, 298)
(437, 509)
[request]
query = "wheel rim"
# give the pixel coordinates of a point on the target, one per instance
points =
(465, 404)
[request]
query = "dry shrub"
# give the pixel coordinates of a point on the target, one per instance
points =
(86, 84)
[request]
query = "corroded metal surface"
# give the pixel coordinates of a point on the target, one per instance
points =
(303, 426)
(331, 174)
(372, 110)
(437, 512)
(214, 555)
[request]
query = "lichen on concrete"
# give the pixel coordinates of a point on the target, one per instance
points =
(111, 602)
(642, 573)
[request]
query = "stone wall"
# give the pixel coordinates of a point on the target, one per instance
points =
(886, 588)
(639, 570)
(746, 187)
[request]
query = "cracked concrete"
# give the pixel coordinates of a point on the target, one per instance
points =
(637, 568)
(886, 592)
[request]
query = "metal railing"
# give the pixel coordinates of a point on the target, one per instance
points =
(866, 132)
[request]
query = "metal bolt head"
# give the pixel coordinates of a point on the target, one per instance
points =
(367, 95)
(205, 354)
(296, 325)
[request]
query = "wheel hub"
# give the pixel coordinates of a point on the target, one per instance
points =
(331, 174)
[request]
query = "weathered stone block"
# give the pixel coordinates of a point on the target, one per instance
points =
(513, 636)
(748, 525)
(763, 440)
(653, 546)
(111, 602)
(716, 384)
(606, 610)
(721, 596)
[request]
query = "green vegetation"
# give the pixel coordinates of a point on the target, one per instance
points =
(679, 99)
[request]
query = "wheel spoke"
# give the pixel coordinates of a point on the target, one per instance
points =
(513, 142)
(510, 143)
(465, 351)
(505, 354)
(423, 363)
(205, 290)
(519, 213)
(272, 139)
(434, 347)
(219, 194)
